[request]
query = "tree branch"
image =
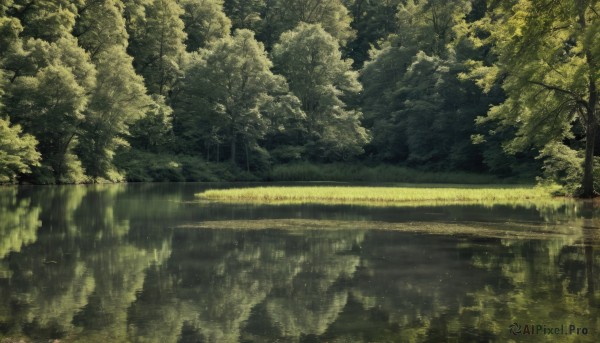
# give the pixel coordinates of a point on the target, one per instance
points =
(594, 10)
(574, 95)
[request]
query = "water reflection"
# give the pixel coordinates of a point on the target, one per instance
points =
(19, 223)
(79, 270)
(113, 263)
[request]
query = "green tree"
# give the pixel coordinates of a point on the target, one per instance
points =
(14, 58)
(429, 24)
(283, 15)
(4, 5)
(134, 12)
(36, 69)
(117, 101)
(10, 28)
(204, 22)
(380, 78)
(310, 59)
(245, 14)
(156, 42)
(17, 152)
(422, 113)
(119, 96)
(157, 45)
(373, 21)
(100, 26)
(53, 117)
(45, 19)
(420, 110)
(548, 53)
(48, 96)
(153, 131)
(228, 86)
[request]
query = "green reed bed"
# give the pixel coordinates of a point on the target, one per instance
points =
(379, 195)
(489, 230)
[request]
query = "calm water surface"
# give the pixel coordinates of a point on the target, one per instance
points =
(124, 263)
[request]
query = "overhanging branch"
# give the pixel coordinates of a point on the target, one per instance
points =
(574, 95)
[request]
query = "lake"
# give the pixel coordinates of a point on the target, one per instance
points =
(151, 263)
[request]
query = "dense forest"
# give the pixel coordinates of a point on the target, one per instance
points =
(184, 90)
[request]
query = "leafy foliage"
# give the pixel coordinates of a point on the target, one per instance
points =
(204, 22)
(46, 19)
(17, 152)
(563, 166)
(119, 97)
(390, 81)
(547, 61)
(227, 89)
(420, 110)
(284, 15)
(118, 100)
(245, 14)
(100, 26)
(373, 21)
(156, 42)
(310, 59)
(50, 105)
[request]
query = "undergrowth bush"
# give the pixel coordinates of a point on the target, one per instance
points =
(381, 173)
(563, 167)
(140, 166)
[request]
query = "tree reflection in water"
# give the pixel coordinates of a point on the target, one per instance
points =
(108, 263)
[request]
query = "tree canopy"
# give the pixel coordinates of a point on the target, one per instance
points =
(547, 58)
(17, 152)
(113, 90)
(311, 60)
(228, 87)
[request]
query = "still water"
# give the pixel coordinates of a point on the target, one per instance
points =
(133, 263)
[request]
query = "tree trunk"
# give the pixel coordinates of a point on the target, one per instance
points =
(592, 122)
(233, 143)
(588, 168)
(58, 169)
(247, 158)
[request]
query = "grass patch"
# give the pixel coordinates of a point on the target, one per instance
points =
(382, 196)
(349, 172)
(488, 230)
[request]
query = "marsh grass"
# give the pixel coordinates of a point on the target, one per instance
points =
(488, 230)
(382, 196)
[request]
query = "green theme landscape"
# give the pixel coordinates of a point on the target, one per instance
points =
(468, 91)
(299, 171)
